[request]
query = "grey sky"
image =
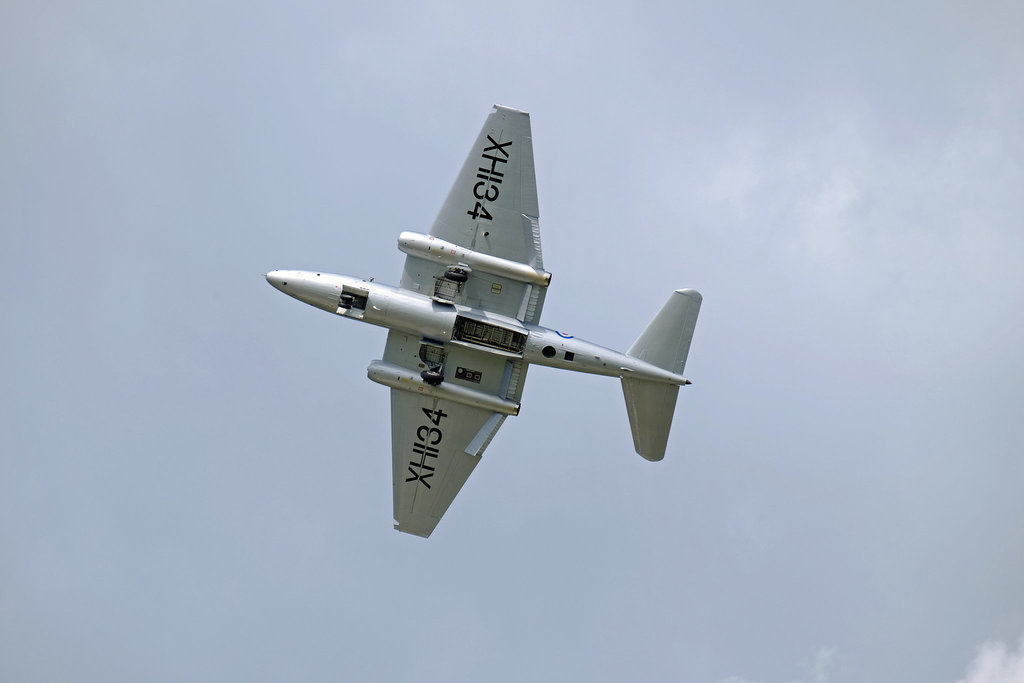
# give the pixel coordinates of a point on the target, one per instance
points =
(194, 470)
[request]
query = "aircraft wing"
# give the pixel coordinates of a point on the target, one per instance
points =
(436, 442)
(492, 209)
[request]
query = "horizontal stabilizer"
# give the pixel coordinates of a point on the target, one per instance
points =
(650, 406)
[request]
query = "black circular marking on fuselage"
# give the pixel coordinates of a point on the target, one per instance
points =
(548, 351)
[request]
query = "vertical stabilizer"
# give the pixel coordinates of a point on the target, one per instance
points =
(666, 341)
(666, 344)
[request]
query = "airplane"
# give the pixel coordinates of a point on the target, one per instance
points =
(464, 326)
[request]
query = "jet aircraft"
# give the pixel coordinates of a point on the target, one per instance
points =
(464, 326)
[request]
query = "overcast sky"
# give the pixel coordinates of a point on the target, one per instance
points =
(195, 477)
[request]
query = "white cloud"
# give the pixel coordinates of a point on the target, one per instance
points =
(817, 669)
(820, 665)
(994, 664)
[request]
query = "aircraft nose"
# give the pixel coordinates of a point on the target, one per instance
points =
(278, 279)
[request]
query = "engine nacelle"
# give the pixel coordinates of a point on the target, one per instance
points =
(448, 253)
(397, 377)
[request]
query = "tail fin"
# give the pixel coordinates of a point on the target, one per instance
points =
(666, 344)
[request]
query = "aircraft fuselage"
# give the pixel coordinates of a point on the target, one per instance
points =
(448, 323)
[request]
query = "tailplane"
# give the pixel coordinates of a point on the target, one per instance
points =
(665, 343)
